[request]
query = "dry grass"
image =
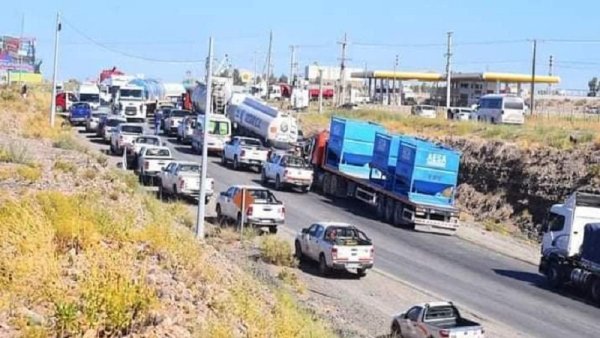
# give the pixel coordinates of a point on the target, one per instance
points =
(65, 166)
(537, 131)
(277, 251)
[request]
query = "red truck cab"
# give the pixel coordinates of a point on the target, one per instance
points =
(64, 101)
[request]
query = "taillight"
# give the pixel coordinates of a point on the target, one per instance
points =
(285, 173)
(334, 253)
(502, 112)
(372, 252)
(249, 211)
(146, 164)
(282, 210)
(242, 153)
(181, 183)
(444, 333)
(212, 185)
(172, 122)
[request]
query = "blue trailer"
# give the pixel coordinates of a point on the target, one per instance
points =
(407, 180)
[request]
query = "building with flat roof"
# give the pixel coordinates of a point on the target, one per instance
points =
(466, 88)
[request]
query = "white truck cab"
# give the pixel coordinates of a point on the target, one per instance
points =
(219, 133)
(90, 94)
(130, 103)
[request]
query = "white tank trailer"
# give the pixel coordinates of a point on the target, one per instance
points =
(253, 117)
(222, 89)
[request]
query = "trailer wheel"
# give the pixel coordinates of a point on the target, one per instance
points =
(389, 210)
(398, 210)
(595, 290)
(326, 184)
(381, 208)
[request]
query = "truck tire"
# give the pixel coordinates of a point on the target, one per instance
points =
(594, 291)
(278, 185)
(223, 159)
(396, 331)
(323, 268)
(380, 211)
(398, 210)
(298, 251)
(273, 230)
(236, 164)
(219, 214)
(554, 275)
(361, 272)
(305, 189)
(175, 196)
(326, 184)
(389, 210)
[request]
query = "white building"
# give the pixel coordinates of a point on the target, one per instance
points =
(331, 74)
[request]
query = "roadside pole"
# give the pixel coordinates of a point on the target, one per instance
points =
(243, 218)
(320, 90)
(202, 198)
(53, 106)
(124, 158)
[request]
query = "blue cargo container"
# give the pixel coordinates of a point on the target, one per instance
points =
(153, 89)
(426, 173)
(385, 156)
(350, 146)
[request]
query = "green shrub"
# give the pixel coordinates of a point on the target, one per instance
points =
(277, 251)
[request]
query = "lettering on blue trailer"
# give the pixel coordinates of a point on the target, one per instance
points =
(252, 120)
(436, 160)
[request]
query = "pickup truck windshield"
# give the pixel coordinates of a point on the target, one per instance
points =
(99, 115)
(294, 162)
(218, 128)
(179, 113)
(114, 122)
(189, 168)
(81, 106)
(89, 97)
(147, 140)
(158, 152)
(250, 143)
(262, 196)
(441, 312)
(132, 129)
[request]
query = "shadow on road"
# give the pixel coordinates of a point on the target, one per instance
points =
(312, 268)
(539, 281)
(185, 150)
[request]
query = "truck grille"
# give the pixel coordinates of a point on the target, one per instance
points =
(130, 110)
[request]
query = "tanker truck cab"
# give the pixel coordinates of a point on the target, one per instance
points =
(219, 133)
(569, 244)
(130, 103)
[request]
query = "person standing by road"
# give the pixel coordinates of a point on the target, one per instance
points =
(24, 91)
(157, 120)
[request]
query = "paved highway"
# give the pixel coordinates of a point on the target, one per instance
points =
(497, 287)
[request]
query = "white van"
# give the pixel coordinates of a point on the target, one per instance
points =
(90, 94)
(501, 108)
(219, 133)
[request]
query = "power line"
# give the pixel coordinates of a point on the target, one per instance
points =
(117, 51)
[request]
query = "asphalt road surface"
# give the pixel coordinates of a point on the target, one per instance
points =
(494, 286)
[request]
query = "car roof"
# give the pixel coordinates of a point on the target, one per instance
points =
(150, 136)
(337, 224)
(500, 96)
(435, 304)
(186, 163)
(157, 147)
(109, 117)
(247, 138)
(131, 125)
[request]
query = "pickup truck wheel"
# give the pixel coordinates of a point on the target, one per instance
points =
(323, 268)
(263, 177)
(219, 214)
(178, 139)
(176, 196)
(396, 331)
(298, 251)
(361, 272)
(305, 189)
(273, 230)
(278, 183)
(554, 276)
(223, 159)
(236, 164)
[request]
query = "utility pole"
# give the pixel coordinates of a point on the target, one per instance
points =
(292, 65)
(56, 36)
(208, 111)
(394, 83)
(448, 71)
(320, 90)
(21, 56)
(343, 60)
(532, 94)
(269, 64)
(255, 68)
(550, 65)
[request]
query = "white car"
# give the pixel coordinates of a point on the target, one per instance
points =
(287, 170)
(260, 207)
(123, 135)
(244, 152)
(93, 121)
(335, 246)
(423, 110)
(151, 162)
(461, 114)
(173, 120)
(133, 150)
(112, 121)
(182, 179)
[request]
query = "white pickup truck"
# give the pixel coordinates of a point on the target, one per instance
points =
(261, 207)
(123, 135)
(185, 130)
(244, 152)
(336, 246)
(133, 150)
(173, 121)
(181, 179)
(151, 161)
(287, 170)
(434, 320)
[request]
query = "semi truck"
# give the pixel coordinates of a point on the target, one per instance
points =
(571, 244)
(407, 181)
(255, 118)
(90, 94)
(222, 89)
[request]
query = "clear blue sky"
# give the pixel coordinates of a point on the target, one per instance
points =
(179, 30)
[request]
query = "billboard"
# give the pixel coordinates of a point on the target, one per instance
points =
(17, 54)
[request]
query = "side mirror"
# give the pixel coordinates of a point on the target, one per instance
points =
(305, 231)
(223, 193)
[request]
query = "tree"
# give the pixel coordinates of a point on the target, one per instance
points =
(594, 86)
(283, 78)
(237, 79)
